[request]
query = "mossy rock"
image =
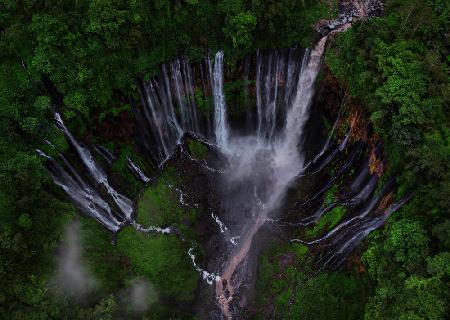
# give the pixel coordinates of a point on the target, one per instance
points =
(163, 260)
(197, 149)
(159, 204)
(328, 221)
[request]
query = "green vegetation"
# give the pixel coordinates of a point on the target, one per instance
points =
(121, 173)
(159, 204)
(204, 103)
(397, 66)
(286, 289)
(197, 149)
(83, 58)
(107, 264)
(277, 274)
(328, 221)
(330, 195)
(236, 98)
(410, 279)
(162, 260)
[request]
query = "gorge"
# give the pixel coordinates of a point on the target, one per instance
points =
(247, 177)
(261, 165)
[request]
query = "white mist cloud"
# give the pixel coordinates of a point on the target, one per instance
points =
(139, 296)
(72, 277)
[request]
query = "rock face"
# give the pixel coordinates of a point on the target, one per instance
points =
(235, 194)
(184, 177)
(351, 11)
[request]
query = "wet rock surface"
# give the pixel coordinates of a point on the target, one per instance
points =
(351, 11)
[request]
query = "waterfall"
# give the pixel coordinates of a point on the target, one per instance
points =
(111, 209)
(96, 171)
(220, 116)
(104, 153)
(272, 174)
(194, 125)
(183, 84)
(275, 81)
(82, 194)
(169, 107)
(137, 171)
(156, 119)
(168, 102)
(260, 166)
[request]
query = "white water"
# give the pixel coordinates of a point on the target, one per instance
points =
(210, 278)
(220, 112)
(137, 171)
(222, 226)
(96, 172)
(157, 120)
(269, 160)
(275, 83)
(150, 229)
(283, 164)
(82, 195)
(84, 192)
(344, 245)
(105, 153)
(169, 107)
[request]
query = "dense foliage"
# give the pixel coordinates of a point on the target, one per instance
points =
(288, 289)
(397, 66)
(83, 58)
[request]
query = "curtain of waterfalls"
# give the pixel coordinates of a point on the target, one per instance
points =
(260, 165)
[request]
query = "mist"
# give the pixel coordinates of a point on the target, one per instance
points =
(72, 277)
(139, 297)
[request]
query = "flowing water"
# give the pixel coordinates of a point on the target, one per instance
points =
(261, 163)
(96, 172)
(220, 115)
(92, 192)
(283, 163)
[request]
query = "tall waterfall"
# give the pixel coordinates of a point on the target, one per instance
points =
(170, 100)
(96, 172)
(83, 194)
(275, 86)
(169, 107)
(220, 115)
(261, 163)
(284, 162)
(91, 192)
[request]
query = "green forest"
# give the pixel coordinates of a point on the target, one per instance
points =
(86, 58)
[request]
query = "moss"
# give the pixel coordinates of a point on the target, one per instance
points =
(277, 276)
(271, 261)
(119, 167)
(327, 221)
(163, 260)
(290, 291)
(204, 103)
(300, 250)
(197, 149)
(159, 203)
(330, 196)
(107, 264)
(236, 97)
